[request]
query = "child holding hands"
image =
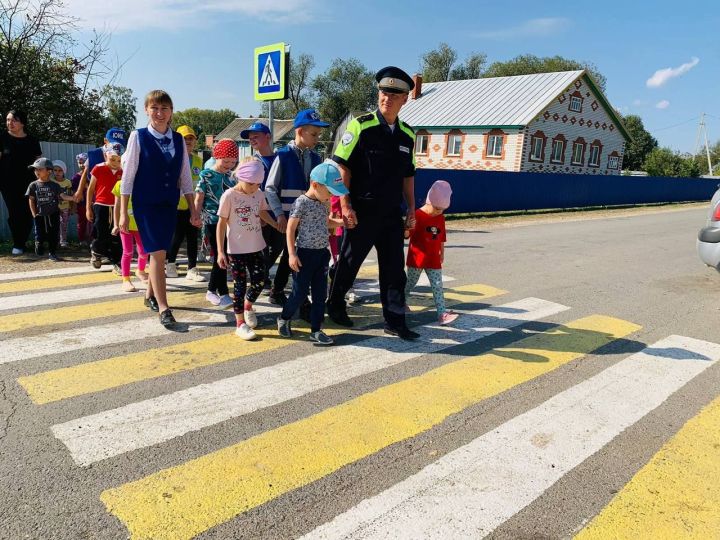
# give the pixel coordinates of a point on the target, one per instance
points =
(240, 211)
(427, 246)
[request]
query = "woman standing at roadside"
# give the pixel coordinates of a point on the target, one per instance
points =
(17, 151)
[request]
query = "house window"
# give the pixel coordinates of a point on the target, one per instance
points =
(558, 150)
(613, 162)
(421, 144)
(594, 160)
(575, 104)
(454, 144)
(494, 146)
(577, 154)
(537, 147)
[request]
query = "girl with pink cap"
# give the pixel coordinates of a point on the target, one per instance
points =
(427, 247)
(240, 212)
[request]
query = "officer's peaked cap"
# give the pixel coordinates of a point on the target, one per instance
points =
(394, 80)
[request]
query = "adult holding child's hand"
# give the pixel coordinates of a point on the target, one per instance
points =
(17, 151)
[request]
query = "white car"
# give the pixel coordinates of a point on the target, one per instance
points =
(708, 242)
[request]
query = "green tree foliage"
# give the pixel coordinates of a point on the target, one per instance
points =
(436, 65)
(299, 89)
(472, 68)
(119, 104)
(701, 159)
(204, 121)
(347, 86)
(665, 162)
(526, 64)
(641, 145)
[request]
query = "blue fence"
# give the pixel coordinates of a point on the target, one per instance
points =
(484, 191)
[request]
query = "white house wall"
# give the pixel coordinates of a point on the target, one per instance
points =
(472, 153)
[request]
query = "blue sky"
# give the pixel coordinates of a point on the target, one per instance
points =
(201, 51)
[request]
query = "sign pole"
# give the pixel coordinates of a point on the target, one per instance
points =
(270, 122)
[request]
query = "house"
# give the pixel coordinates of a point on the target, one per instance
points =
(547, 122)
(283, 132)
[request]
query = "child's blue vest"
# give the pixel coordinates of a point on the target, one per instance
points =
(293, 176)
(157, 179)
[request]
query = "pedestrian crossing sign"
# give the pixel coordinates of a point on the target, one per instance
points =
(271, 72)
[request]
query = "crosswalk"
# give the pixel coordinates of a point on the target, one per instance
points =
(90, 340)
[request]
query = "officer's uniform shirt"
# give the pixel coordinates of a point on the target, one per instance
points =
(379, 158)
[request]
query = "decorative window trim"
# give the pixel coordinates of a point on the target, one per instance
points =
(538, 135)
(574, 98)
(486, 142)
(578, 142)
(422, 134)
(599, 145)
(616, 157)
(563, 142)
(448, 135)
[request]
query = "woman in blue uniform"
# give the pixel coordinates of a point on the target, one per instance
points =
(155, 173)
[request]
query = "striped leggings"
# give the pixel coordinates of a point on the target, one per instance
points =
(435, 278)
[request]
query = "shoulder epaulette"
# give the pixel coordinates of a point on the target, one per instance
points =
(365, 117)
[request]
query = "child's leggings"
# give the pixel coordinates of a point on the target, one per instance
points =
(435, 278)
(127, 255)
(242, 265)
(334, 242)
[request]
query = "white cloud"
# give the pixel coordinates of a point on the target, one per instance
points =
(661, 76)
(132, 15)
(664, 104)
(545, 26)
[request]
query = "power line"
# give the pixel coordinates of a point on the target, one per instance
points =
(693, 119)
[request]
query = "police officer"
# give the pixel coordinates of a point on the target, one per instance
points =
(377, 160)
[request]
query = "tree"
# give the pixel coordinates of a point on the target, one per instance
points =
(299, 90)
(640, 146)
(665, 162)
(471, 69)
(118, 104)
(204, 121)
(701, 158)
(347, 86)
(527, 64)
(437, 63)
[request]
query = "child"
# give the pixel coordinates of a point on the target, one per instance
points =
(83, 225)
(103, 179)
(44, 197)
(60, 170)
(288, 178)
(213, 183)
(241, 210)
(309, 217)
(156, 173)
(127, 238)
(427, 246)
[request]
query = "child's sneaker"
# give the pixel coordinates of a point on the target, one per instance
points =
(52, 257)
(117, 270)
(63, 244)
(127, 286)
(171, 270)
(320, 338)
(225, 301)
(250, 318)
(245, 332)
(142, 274)
(193, 274)
(213, 298)
(447, 317)
(351, 297)
(284, 327)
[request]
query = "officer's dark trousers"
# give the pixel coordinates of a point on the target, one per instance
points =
(386, 234)
(20, 218)
(275, 243)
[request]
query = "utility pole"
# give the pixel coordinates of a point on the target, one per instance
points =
(702, 130)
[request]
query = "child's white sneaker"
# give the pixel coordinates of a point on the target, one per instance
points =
(320, 338)
(225, 301)
(212, 297)
(447, 317)
(245, 332)
(194, 275)
(127, 286)
(250, 318)
(171, 270)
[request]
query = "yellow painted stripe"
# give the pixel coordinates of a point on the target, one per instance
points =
(101, 375)
(57, 282)
(676, 495)
(88, 312)
(188, 499)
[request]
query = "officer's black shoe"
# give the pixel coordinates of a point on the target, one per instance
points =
(403, 332)
(277, 298)
(305, 311)
(152, 303)
(339, 315)
(167, 319)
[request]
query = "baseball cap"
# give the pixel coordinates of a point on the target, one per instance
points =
(257, 126)
(186, 131)
(439, 194)
(116, 135)
(328, 175)
(252, 172)
(308, 117)
(41, 163)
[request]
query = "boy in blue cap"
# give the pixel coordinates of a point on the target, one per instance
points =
(289, 178)
(310, 219)
(115, 139)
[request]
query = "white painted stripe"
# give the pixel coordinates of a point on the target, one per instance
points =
(469, 492)
(153, 421)
(53, 272)
(48, 299)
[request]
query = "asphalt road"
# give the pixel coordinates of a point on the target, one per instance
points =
(529, 420)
